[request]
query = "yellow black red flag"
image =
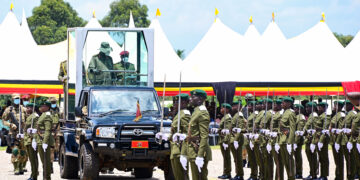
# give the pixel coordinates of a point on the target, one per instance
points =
(138, 112)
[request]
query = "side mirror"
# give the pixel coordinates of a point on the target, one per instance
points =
(78, 112)
(166, 111)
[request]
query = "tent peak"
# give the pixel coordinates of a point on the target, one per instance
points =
(158, 13)
(131, 21)
(11, 6)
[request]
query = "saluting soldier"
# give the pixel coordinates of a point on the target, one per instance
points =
(238, 126)
(335, 139)
(299, 139)
(30, 141)
(274, 135)
(322, 139)
(224, 140)
(287, 136)
(197, 149)
(309, 133)
(15, 140)
(248, 142)
(44, 138)
(177, 138)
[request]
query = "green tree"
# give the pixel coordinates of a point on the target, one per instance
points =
(181, 53)
(344, 39)
(120, 13)
(51, 19)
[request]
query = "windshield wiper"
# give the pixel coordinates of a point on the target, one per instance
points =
(113, 111)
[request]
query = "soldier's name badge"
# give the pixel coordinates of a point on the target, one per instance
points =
(187, 112)
(202, 108)
(342, 114)
(241, 114)
(48, 113)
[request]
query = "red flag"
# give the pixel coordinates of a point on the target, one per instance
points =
(138, 112)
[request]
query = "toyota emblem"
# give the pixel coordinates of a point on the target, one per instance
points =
(138, 132)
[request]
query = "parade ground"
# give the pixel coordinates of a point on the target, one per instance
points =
(215, 169)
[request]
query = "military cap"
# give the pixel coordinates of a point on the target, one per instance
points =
(299, 106)
(252, 102)
(268, 100)
(226, 105)
(15, 96)
(52, 99)
(309, 104)
(260, 101)
(26, 96)
(323, 104)
(347, 102)
(183, 96)
(45, 103)
(249, 96)
(105, 47)
(124, 53)
(31, 105)
(278, 101)
(198, 92)
(340, 103)
(235, 103)
(288, 99)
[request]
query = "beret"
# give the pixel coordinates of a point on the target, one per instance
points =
(183, 96)
(226, 105)
(278, 101)
(299, 106)
(288, 99)
(198, 92)
(323, 104)
(309, 104)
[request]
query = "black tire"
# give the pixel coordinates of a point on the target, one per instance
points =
(143, 173)
(68, 165)
(88, 163)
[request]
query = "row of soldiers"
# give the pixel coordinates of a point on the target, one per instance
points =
(32, 131)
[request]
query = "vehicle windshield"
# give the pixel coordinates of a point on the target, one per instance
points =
(122, 102)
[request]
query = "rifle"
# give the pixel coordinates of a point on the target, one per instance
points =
(32, 119)
(21, 131)
(237, 122)
(13, 118)
(324, 126)
(266, 107)
(163, 109)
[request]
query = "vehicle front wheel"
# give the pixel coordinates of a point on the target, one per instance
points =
(68, 165)
(88, 163)
(143, 172)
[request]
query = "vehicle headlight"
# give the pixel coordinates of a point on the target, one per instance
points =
(106, 132)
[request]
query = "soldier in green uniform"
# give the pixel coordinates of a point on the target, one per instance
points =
(335, 139)
(264, 139)
(197, 149)
(287, 136)
(55, 113)
(125, 78)
(299, 139)
(248, 142)
(309, 133)
(322, 139)
(99, 64)
(44, 138)
(355, 138)
(177, 138)
(11, 118)
(274, 139)
(63, 75)
(30, 141)
(256, 138)
(25, 100)
(238, 126)
(224, 140)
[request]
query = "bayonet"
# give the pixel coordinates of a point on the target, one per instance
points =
(163, 109)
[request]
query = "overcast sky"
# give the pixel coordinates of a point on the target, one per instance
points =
(186, 21)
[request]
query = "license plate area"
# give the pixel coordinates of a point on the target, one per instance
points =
(139, 144)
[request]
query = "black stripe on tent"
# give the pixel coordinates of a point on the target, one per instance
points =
(71, 85)
(253, 84)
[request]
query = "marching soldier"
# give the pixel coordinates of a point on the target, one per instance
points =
(335, 139)
(299, 139)
(197, 150)
(224, 140)
(30, 141)
(287, 136)
(238, 126)
(309, 133)
(177, 138)
(322, 139)
(264, 140)
(274, 140)
(355, 131)
(256, 138)
(14, 113)
(44, 138)
(248, 143)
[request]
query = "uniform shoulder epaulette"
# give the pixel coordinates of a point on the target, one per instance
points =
(302, 117)
(342, 114)
(354, 112)
(282, 112)
(315, 114)
(256, 112)
(241, 114)
(202, 108)
(36, 114)
(48, 113)
(187, 112)
(229, 115)
(292, 110)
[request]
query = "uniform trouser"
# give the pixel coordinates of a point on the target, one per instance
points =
(34, 162)
(312, 158)
(356, 154)
(195, 171)
(259, 160)
(324, 160)
(339, 163)
(47, 163)
(298, 159)
(226, 160)
(288, 161)
(178, 170)
(268, 163)
(237, 155)
(252, 161)
(350, 163)
(18, 157)
(279, 171)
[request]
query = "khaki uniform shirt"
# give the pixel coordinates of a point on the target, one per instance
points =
(184, 124)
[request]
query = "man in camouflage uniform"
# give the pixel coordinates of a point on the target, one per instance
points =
(44, 138)
(15, 138)
(124, 64)
(30, 141)
(248, 142)
(197, 150)
(335, 139)
(274, 139)
(99, 64)
(309, 133)
(299, 139)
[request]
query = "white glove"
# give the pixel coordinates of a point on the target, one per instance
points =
(225, 146)
(199, 161)
(295, 147)
(337, 147)
(225, 131)
(320, 145)
(163, 136)
(34, 144)
(237, 130)
(251, 145)
(346, 130)
(273, 134)
(312, 148)
(44, 146)
(29, 130)
(289, 148)
(349, 146)
(178, 136)
(277, 148)
(358, 147)
(333, 130)
(21, 136)
(33, 131)
(183, 161)
(251, 136)
(268, 148)
(256, 136)
(236, 144)
(338, 131)
(214, 130)
(325, 132)
(267, 132)
(311, 131)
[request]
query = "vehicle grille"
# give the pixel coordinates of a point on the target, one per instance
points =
(138, 132)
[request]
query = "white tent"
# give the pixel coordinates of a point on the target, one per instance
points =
(252, 34)
(26, 30)
(215, 56)
(355, 43)
(131, 21)
(352, 54)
